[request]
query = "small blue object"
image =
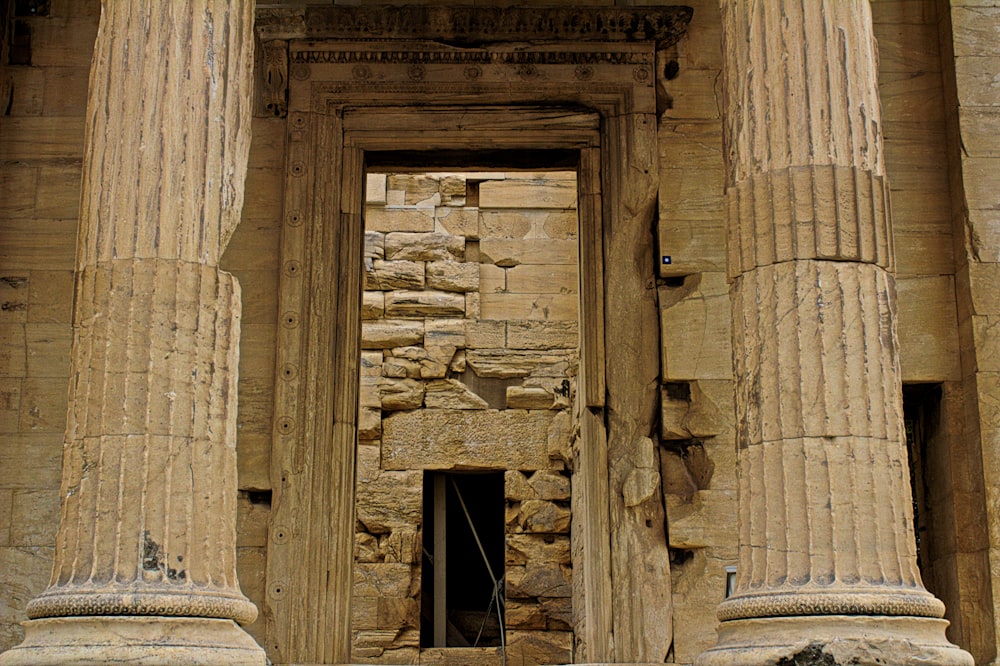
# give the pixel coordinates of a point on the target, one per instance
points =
(666, 259)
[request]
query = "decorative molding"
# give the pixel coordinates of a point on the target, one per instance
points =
(271, 94)
(596, 75)
(916, 603)
(413, 57)
(476, 26)
(82, 600)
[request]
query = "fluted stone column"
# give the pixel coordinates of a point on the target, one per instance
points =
(145, 562)
(827, 568)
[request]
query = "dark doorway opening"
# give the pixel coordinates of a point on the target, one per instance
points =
(462, 590)
(929, 480)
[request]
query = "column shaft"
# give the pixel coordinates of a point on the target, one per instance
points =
(826, 525)
(149, 468)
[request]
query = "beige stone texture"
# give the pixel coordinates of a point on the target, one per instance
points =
(451, 394)
(375, 188)
(424, 247)
(524, 615)
(369, 423)
(424, 304)
(382, 580)
(386, 334)
(538, 580)
(402, 545)
(972, 114)
(389, 275)
(378, 218)
(543, 278)
(696, 332)
(516, 486)
(508, 253)
(514, 223)
(533, 334)
(561, 433)
(372, 305)
(374, 245)
(445, 439)
(524, 193)
(473, 305)
(544, 307)
(521, 362)
(550, 486)
(365, 550)
(482, 656)
(540, 516)
(397, 394)
(928, 329)
(140, 640)
(706, 520)
(485, 334)
(453, 276)
(400, 367)
(387, 500)
(538, 647)
(673, 415)
(445, 333)
(492, 279)
(521, 397)
(691, 231)
(418, 189)
(524, 548)
(458, 221)
(711, 411)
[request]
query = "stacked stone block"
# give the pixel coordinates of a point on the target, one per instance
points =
(469, 361)
(44, 92)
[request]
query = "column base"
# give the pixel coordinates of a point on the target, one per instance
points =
(142, 641)
(834, 640)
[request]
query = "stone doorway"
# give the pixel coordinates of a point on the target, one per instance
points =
(350, 103)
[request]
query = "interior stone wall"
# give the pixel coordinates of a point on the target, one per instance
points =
(469, 361)
(939, 104)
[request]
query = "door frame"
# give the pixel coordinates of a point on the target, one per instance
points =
(346, 99)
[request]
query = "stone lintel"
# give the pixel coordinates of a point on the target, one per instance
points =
(473, 26)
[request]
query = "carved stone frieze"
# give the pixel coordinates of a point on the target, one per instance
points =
(416, 58)
(471, 26)
(383, 71)
(271, 93)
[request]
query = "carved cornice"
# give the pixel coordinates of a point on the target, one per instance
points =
(477, 26)
(387, 56)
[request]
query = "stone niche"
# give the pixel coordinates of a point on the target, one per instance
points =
(469, 365)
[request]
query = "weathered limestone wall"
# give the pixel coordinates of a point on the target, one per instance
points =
(41, 149)
(946, 244)
(252, 257)
(698, 447)
(969, 33)
(469, 361)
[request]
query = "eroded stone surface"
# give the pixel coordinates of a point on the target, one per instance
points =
(446, 438)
